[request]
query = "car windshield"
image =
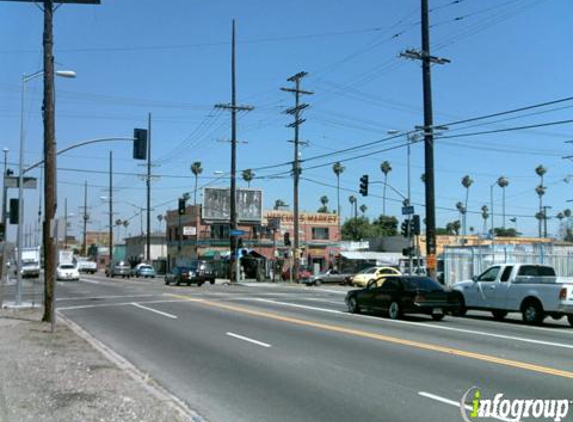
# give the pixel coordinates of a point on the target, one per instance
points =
(369, 270)
(421, 283)
(145, 267)
(67, 267)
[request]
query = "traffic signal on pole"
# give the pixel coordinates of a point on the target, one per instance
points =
(2, 232)
(181, 207)
(14, 210)
(364, 185)
(405, 228)
(287, 239)
(416, 225)
(140, 144)
(409, 251)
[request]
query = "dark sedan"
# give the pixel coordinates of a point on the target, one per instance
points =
(178, 275)
(198, 272)
(399, 295)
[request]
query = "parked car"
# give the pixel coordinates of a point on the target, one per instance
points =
(118, 268)
(67, 272)
(399, 295)
(373, 273)
(332, 276)
(146, 271)
(532, 289)
(198, 272)
(303, 274)
(86, 266)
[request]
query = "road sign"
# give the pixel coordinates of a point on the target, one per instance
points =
(237, 232)
(29, 182)
(408, 210)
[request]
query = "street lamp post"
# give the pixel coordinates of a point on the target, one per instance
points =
(20, 232)
(4, 214)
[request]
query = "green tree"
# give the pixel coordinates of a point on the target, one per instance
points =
(356, 229)
(385, 226)
(279, 203)
(196, 169)
(248, 176)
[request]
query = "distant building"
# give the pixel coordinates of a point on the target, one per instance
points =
(136, 248)
(189, 236)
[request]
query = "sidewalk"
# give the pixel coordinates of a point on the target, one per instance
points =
(61, 377)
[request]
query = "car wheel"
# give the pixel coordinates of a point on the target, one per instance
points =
(188, 283)
(317, 282)
(166, 281)
(532, 312)
(462, 310)
(394, 310)
(212, 281)
(178, 282)
(438, 317)
(570, 319)
(353, 306)
(199, 283)
(499, 314)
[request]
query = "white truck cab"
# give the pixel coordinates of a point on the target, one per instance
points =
(532, 289)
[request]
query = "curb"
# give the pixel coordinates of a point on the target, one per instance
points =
(127, 367)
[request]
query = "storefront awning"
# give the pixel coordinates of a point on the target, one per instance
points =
(381, 258)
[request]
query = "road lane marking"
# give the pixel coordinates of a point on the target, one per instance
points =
(137, 305)
(104, 305)
(89, 281)
(421, 324)
(250, 340)
(102, 297)
(311, 299)
(385, 338)
(457, 404)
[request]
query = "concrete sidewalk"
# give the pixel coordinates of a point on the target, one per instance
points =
(62, 377)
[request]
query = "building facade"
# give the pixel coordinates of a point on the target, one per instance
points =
(189, 236)
(136, 247)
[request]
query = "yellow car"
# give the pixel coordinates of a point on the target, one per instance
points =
(373, 273)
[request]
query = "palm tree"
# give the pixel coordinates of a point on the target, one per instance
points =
(338, 169)
(363, 209)
(467, 181)
(118, 223)
(196, 169)
(353, 202)
(567, 213)
(279, 203)
(386, 168)
(423, 178)
(248, 176)
(324, 202)
(503, 182)
(125, 224)
(186, 196)
(540, 190)
(485, 216)
(160, 219)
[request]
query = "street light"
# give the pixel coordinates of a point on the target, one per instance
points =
(19, 240)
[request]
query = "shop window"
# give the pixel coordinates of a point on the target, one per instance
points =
(320, 233)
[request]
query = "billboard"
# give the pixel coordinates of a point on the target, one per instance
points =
(217, 204)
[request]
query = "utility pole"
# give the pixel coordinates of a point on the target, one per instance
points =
(65, 223)
(296, 112)
(545, 208)
(111, 207)
(233, 108)
(427, 60)
(148, 240)
(85, 218)
(4, 215)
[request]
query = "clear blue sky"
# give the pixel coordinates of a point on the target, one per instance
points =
(172, 58)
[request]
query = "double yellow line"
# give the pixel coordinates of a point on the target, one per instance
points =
(388, 339)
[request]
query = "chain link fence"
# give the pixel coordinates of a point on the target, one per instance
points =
(462, 263)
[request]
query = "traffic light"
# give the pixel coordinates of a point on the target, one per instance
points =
(14, 210)
(405, 228)
(364, 185)
(2, 232)
(416, 225)
(409, 251)
(287, 239)
(181, 207)
(140, 144)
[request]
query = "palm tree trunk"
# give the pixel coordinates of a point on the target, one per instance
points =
(384, 195)
(503, 205)
(466, 212)
(338, 200)
(195, 196)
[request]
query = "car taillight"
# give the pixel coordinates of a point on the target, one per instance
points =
(563, 294)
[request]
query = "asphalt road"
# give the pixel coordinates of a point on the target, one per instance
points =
(292, 353)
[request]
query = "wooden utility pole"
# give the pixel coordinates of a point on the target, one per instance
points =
(148, 238)
(111, 207)
(296, 112)
(233, 108)
(85, 218)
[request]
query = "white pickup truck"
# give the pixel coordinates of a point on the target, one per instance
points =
(534, 290)
(85, 265)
